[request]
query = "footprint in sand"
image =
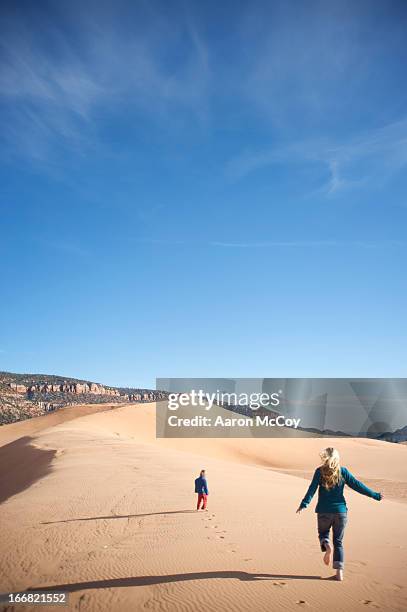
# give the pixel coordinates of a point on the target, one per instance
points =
(301, 602)
(248, 559)
(280, 584)
(369, 602)
(360, 563)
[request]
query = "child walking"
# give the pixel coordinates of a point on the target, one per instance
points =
(330, 479)
(201, 487)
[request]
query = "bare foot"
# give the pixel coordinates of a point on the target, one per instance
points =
(327, 555)
(339, 575)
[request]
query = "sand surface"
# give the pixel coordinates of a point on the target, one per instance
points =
(92, 503)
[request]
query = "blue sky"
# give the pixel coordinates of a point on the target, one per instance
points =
(202, 189)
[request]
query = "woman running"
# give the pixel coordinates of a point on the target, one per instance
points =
(330, 479)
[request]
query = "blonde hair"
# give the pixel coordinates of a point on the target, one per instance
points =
(330, 468)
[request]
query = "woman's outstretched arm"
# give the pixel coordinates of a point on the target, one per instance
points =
(358, 486)
(311, 491)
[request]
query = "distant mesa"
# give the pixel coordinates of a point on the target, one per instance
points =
(23, 396)
(64, 388)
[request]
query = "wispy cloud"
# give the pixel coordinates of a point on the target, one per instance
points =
(372, 156)
(335, 70)
(285, 244)
(308, 243)
(60, 85)
(66, 247)
(55, 88)
(336, 182)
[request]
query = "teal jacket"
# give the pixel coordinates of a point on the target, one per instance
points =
(332, 500)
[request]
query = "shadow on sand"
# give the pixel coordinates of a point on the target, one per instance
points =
(119, 516)
(22, 464)
(134, 581)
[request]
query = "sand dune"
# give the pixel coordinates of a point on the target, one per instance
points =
(94, 504)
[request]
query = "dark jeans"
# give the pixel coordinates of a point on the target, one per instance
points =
(336, 520)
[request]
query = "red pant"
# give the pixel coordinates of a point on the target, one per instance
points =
(202, 497)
